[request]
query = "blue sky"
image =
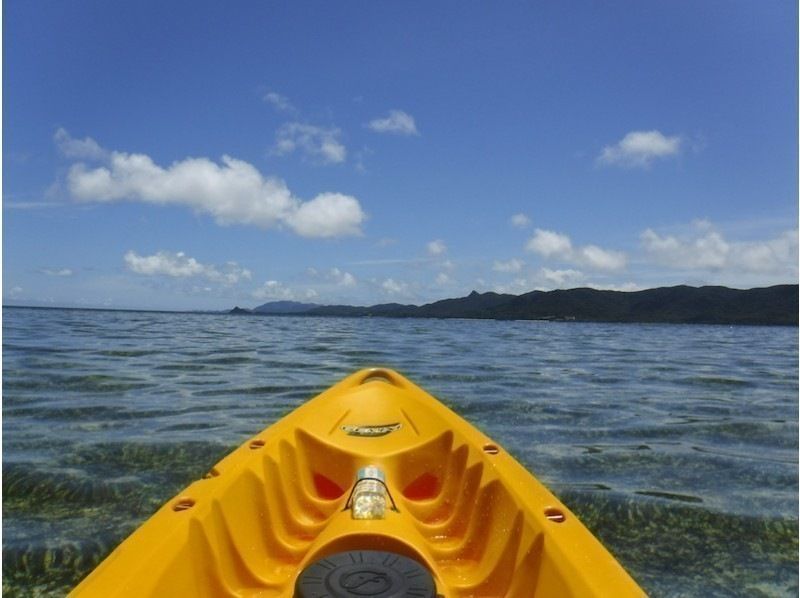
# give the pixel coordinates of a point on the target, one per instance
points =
(187, 155)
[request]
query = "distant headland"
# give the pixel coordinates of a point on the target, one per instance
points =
(776, 305)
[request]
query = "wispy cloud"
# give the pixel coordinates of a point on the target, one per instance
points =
(638, 149)
(554, 245)
(318, 143)
(547, 279)
(179, 265)
(390, 262)
(443, 279)
(332, 284)
(63, 272)
(515, 287)
(436, 247)
(512, 265)
(280, 102)
(397, 123)
(626, 287)
(520, 220)
(79, 149)
(360, 159)
(233, 192)
(274, 290)
(30, 205)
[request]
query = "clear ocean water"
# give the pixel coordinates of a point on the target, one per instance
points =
(676, 445)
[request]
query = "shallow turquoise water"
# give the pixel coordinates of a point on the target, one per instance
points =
(677, 445)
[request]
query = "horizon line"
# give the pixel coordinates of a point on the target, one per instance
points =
(226, 310)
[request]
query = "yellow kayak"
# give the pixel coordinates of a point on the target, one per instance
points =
(373, 488)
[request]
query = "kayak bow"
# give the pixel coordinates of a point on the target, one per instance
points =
(373, 488)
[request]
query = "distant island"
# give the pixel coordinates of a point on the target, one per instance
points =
(776, 305)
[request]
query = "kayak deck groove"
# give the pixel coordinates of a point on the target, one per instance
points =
(466, 511)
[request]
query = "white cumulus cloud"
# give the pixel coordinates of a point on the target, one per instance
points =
(177, 265)
(318, 143)
(593, 256)
(341, 278)
(707, 249)
(553, 245)
(393, 287)
(397, 122)
(639, 149)
(549, 243)
(233, 192)
(180, 265)
(327, 215)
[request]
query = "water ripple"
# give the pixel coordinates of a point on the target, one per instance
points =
(676, 448)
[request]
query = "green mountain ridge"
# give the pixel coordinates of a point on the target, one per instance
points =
(776, 305)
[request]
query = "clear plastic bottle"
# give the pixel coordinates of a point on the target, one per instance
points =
(369, 495)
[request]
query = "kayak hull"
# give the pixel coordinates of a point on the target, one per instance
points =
(464, 509)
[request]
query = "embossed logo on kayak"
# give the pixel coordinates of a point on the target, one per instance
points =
(371, 431)
(367, 581)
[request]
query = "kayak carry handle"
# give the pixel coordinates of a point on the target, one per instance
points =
(380, 375)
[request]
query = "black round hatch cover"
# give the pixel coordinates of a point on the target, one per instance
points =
(370, 573)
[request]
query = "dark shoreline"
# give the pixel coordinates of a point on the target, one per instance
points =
(770, 306)
(711, 305)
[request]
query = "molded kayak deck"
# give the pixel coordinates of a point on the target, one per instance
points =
(466, 510)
